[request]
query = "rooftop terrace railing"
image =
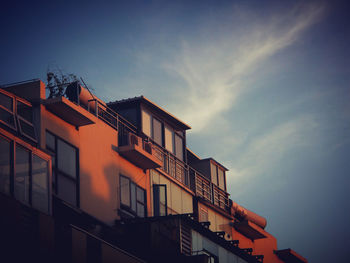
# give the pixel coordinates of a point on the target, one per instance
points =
(171, 165)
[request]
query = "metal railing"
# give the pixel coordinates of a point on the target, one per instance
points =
(191, 178)
(171, 165)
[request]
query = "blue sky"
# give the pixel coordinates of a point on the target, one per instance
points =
(264, 85)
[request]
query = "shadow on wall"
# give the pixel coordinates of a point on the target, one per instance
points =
(99, 193)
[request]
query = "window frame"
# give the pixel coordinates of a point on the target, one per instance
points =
(56, 172)
(20, 118)
(128, 208)
(13, 113)
(14, 142)
(17, 118)
(156, 205)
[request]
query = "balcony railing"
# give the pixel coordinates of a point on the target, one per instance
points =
(171, 165)
(191, 178)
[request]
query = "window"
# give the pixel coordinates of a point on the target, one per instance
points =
(146, 123)
(125, 191)
(218, 176)
(160, 200)
(179, 147)
(168, 134)
(157, 132)
(24, 174)
(214, 176)
(132, 197)
(221, 177)
(64, 168)
(40, 195)
(12, 108)
(5, 162)
(7, 115)
(21, 185)
(25, 119)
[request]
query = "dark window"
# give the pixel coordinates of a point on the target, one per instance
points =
(8, 118)
(160, 200)
(214, 175)
(66, 159)
(5, 162)
(146, 123)
(157, 132)
(221, 176)
(27, 129)
(21, 185)
(132, 197)
(27, 172)
(178, 147)
(6, 102)
(64, 168)
(7, 115)
(25, 111)
(169, 138)
(140, 202)
(125, 191)
(40, 195)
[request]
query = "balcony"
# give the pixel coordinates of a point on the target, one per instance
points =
(68, 111)
(191, 178)
(249, 229)
(147, 154)
(138, 152)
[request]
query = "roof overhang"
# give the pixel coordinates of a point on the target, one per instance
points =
(289, 255)
(249, 229)
(154, 107)
(69, 111)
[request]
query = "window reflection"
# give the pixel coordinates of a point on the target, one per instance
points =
(4, 166)
(40, 184)
(21, 184)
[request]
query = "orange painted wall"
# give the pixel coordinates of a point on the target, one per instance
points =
(264, 246)
(100, 164)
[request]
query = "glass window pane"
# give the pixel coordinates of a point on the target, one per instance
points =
(7, 117)
(179, 147)
(146, 123)
(162, 196)
(22, 175)
(140, 195)
(221, 179)
(27, 129)
(66, 189)
(214, 177)
(140, 210)
(50, 141)
(168, 139)
(5, 152)
(133, 196)
(124, 191)
(157, 131)
(66, 156)
(25, 111)
(6, 102)
(40, 195)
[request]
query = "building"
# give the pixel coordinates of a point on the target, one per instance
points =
(82, 180)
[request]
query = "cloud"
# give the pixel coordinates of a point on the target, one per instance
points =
(216, 72)
(265, 152)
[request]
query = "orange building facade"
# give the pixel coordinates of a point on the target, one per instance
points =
(82, 180)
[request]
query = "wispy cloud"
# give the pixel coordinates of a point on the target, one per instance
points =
(267, 149)
(216, 72)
